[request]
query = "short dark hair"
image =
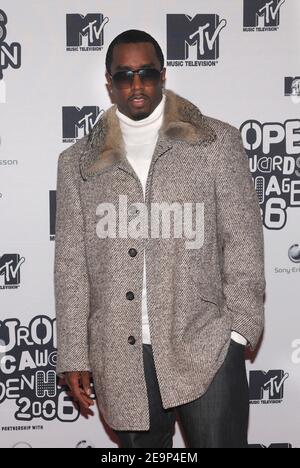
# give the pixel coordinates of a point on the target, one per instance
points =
(129, 37)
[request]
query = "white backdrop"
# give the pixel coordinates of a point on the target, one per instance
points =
(244, 69)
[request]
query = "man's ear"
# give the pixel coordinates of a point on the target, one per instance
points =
(109, 82)
(108, 77)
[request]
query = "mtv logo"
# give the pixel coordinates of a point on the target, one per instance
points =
(90, 27)
(77, 120)
(201, 33)
(10, 265)
(262, 13)
(267, 385)
(292, 86)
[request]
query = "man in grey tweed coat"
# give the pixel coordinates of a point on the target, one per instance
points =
(158, 203)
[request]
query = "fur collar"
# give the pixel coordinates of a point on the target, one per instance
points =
(105, 146)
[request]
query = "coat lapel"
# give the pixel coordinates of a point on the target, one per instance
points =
(105, 147)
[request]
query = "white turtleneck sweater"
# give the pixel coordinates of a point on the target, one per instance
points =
(140, 137)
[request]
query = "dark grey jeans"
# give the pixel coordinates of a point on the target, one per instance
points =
(218, 419)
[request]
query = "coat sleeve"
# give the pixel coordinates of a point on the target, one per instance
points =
(71, 282)
(241, 231)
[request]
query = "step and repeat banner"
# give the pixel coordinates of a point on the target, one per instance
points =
(239, 61)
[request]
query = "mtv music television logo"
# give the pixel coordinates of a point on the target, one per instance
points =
(267, 387)
(10, 270)
(193, 41)
(77, 123)
(88, 29)
(262, 15)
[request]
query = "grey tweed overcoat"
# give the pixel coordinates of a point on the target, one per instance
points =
(195, 297)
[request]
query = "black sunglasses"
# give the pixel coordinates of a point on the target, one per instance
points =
(148, 76)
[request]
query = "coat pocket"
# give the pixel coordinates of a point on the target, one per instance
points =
(208, 294)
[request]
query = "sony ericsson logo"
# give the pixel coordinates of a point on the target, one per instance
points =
(193, 41)
(85, 33)
(294, 253)
(262, 15)
(85, 444)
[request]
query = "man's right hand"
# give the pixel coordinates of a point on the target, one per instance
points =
(79, 385)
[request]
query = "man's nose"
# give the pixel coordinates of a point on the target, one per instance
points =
(137, 83)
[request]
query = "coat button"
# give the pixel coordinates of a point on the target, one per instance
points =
(132, 252)
(131, 340)
(129, 295)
